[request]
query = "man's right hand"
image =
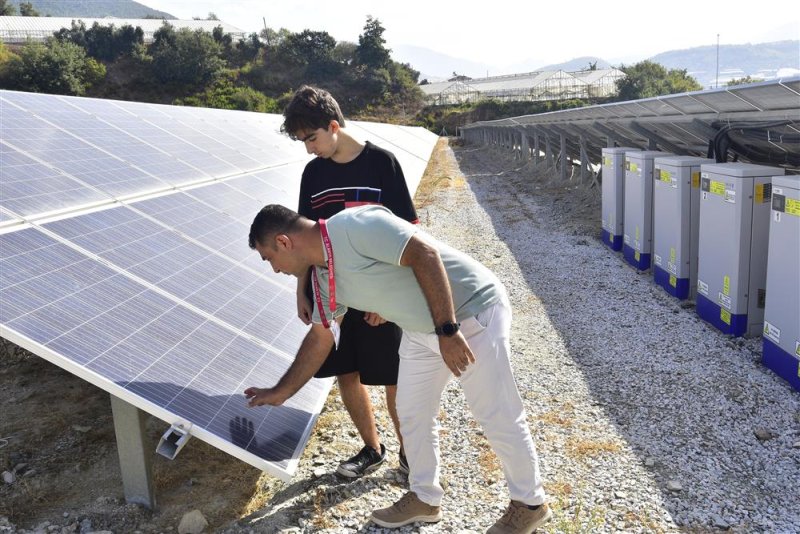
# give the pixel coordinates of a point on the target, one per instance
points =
(304, 308)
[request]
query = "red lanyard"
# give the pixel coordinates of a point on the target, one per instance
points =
(326, 241)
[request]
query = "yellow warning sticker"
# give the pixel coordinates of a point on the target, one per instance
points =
(673, 280)
(672, 254)
(797, 348)
(759, 196)
(793, 207)
(725, 315)
(606, 161)
(718, 188)
(665, 176)
(726, 285)
(695, 180)
(636, 255)
(637, 233)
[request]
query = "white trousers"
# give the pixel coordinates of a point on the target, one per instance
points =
(492, 396)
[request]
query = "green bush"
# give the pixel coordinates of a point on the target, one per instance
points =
(54, 67)
(225, 95)
(185, 57)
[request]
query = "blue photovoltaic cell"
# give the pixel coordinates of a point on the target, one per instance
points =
(208, 226)
(6, 216)
(148, 130)
(186, 132)
(148, 344)
(259, 190)
(76, 158)
(29, 188)
(228, 200)
(213, 283)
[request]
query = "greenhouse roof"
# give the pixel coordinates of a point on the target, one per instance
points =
(17, 28)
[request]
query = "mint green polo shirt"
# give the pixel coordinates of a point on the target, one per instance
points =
(367, 243)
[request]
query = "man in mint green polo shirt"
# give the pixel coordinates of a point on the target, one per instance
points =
(456, 320)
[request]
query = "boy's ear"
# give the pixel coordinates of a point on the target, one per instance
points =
(334, 126)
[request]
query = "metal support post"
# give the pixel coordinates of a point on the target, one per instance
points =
(525, 146)
(584, 158)
(536, 156)
(563, 158)
(134, 453)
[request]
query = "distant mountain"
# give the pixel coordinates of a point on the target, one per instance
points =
(435, 66)
(579, 63)
(762, 60)
(123, 9)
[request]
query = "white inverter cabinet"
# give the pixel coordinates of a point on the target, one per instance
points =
(638, 221)
(782, 315)
(676, 214)
(732, 255)
(613, 198)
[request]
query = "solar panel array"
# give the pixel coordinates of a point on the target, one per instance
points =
(761, 121)
(124, 259)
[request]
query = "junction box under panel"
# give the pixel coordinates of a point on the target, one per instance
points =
(638, 221)
(782, 314)
(613, 196)
(735, 201)
(676, 210)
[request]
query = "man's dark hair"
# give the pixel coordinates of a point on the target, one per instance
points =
(311, 108)
(272, 220)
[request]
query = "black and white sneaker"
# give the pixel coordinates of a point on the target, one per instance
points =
(403, 462)
(366, 461)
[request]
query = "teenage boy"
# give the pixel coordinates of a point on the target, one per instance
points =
(348, 173)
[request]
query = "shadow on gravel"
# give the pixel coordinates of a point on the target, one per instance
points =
(715, 430)
(319, 495)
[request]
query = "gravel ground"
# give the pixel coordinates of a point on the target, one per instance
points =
(645, 418)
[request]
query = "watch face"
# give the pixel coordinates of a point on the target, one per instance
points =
(447, 329)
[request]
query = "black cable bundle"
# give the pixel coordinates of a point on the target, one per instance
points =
(734, 137)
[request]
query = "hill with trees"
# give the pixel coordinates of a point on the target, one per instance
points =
(256, 73)
(123, 9)
(735, 61)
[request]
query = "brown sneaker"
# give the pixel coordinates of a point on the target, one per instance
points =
(519, 519)
(409, 509)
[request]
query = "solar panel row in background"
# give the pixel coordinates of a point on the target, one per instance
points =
(123, 232)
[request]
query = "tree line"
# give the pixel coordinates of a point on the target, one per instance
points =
(259, 72)
(254, 73)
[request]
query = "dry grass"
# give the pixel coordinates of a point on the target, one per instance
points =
(442, 172)
(319, 518)
(558, 488)
(558, 416)
(586, 448)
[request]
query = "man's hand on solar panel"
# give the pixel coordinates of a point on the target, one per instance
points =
(313, 350)
(262, 396)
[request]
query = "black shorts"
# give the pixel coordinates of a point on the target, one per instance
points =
(370, 350)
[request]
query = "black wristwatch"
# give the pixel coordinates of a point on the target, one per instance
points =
(447, 329)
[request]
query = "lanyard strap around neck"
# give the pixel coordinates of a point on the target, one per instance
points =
(326, 241)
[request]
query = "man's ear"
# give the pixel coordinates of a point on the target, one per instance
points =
(334, 126)
(283, 241)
